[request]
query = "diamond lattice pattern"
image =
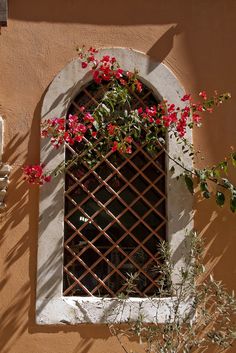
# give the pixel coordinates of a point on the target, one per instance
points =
(115, 217)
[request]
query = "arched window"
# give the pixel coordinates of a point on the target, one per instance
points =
(113, 213)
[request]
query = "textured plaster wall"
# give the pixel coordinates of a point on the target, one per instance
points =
(195, 39)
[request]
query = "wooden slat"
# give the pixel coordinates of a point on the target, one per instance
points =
(3, 13)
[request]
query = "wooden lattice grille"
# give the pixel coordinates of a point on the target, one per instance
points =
(115, 215)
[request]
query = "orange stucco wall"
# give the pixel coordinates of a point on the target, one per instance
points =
(195, 39)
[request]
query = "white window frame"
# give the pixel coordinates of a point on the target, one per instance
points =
(51, 306)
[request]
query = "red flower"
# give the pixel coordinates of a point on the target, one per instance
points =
(91, 58)
(96, 77)
(138, 85)
(118, 73)
(106, 58)
(128, 139)
(94, 134)
(140, 110)
(84, 64)
(47, 178)
(199, 107)
(123, 82)
(151, 111)
(196, 118)
(210, 110)
(44, 133)
(128, 150)
(93, 50)
(111, 129)
(166, 120)
(89, 118)
(34, 174)
(82, 109)
(82, 128)
(73, 119)
(186, 97)
(115, 146)
(203, 95)
(79, 138)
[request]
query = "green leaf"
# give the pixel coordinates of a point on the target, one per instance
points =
(204, 186)
(223, 166)
(220, 198)
(204, 189)
(203, 174)
(189, 183)
(206, 194)
(233, 158)
(233, 203)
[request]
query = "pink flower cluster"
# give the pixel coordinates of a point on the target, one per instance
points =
(34, 174)
(170, 116)
(123, 146)
(107, 69)
(59, 130)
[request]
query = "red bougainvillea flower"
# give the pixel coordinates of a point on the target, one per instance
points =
(128, 139)
(123, 82)
(138, 85)
(79, 138)
(171, 108)
(186, 97)
(93, 50)
(140, 110)
(119, 73)
(94, 134)
(34, 174)
(89, 118)
(196, 118)
(210, 110)
(128, 150)
(91, 58)
(106, 58)
(203, 95)
(82, 109)
(111, 129)
(84, 64)
(199, 107)
(115, 146)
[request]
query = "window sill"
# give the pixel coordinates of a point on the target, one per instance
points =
(94, 310)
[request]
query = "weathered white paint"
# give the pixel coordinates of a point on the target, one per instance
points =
(76, 310)
(51, 306)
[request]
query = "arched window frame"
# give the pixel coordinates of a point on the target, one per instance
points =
(51, 306)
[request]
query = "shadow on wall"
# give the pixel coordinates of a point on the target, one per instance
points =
(23, 202)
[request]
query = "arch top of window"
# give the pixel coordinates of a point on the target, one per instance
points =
(51, 306)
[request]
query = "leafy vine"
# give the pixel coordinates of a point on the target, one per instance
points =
(114, 125)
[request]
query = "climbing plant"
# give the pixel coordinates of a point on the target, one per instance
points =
(114, 125)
